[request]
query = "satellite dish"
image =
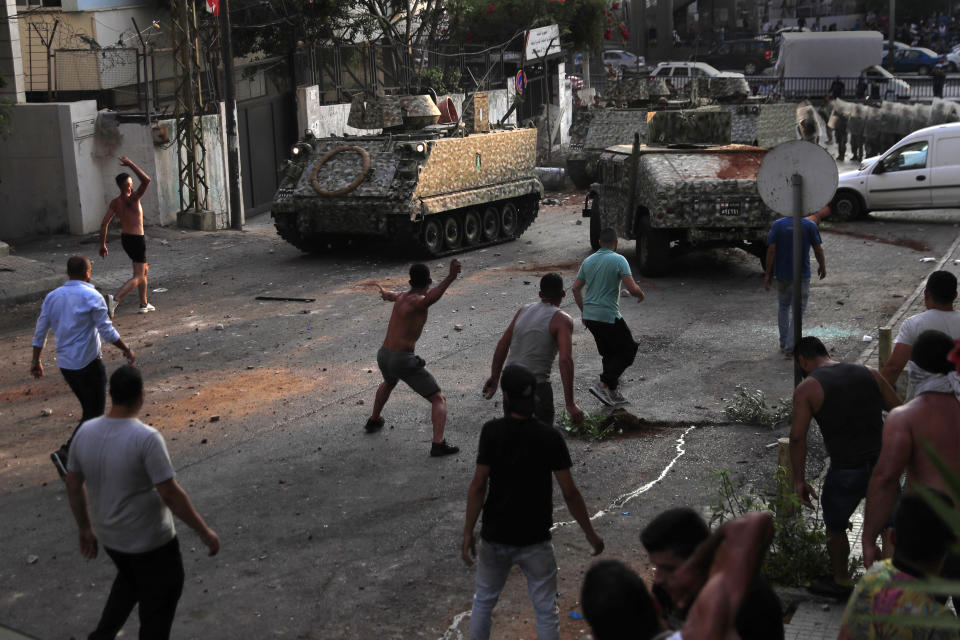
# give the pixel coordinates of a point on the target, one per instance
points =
(797, 157)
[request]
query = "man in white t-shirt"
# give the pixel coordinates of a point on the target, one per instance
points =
(122, 466)
(938, 297)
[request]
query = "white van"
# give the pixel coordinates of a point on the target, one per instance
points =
(922, 171)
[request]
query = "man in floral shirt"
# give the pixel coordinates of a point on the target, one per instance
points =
(922, 540)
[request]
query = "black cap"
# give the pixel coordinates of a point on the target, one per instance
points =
(519, 386)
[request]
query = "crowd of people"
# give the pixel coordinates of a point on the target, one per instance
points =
(123, 490)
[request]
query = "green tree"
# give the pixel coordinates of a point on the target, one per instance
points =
(582, 22)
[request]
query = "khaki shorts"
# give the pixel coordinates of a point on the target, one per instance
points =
(406, 366)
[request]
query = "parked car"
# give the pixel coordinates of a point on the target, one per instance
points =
(623, 60)
(952, 59)
(921, 171)
(690, 69)
(914, 59)
(891, 87)
(750, 56)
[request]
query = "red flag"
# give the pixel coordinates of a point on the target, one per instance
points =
(213, 6)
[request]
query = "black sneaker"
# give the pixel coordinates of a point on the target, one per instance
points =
(438, 449)
(827, 586)
(373, 426)
(60, 462)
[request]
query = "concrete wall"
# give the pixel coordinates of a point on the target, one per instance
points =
(57, 171)
(11, 63)
(47, 183)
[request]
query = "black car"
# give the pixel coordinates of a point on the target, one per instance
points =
(749, 56)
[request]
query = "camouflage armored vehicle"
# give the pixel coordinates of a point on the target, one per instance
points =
(594, 130)
(427, 187)
(680, 197)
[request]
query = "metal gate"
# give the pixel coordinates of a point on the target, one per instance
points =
(267, 128)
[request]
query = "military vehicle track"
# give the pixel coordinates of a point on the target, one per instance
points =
(436, 235)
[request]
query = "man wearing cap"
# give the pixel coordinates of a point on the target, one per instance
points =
(939, 295)
(932, 417)
(516, 457)
(536, 334)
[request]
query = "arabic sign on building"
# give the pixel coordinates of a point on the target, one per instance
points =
(542, 42)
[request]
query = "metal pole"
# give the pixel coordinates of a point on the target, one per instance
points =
(146, 69)
(233, 142)
(891, 32)
(797, 182)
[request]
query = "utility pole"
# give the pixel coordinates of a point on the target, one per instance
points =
(233, 141)
(146, 71)
(891, 32)
(48, 44)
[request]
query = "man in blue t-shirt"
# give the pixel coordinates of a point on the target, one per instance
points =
(602, 274)
(779, 266)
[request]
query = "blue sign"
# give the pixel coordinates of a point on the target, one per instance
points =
(521, 81)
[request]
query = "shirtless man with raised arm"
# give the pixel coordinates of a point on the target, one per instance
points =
(932, 417)
(396, 358)
(127, 207)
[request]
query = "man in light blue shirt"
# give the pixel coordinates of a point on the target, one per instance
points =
(77, 315)
(602, 274)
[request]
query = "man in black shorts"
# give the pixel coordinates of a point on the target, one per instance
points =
(848, 402)
(397, 360)
(127, 207)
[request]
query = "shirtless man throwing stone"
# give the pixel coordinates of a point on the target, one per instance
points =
(396, 358)
(127, 207)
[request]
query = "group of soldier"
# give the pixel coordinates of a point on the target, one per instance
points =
(873, 127)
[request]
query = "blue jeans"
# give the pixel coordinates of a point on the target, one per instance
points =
(538, 565)
(785, 308)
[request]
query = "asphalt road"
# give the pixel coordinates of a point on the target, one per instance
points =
(331, 533)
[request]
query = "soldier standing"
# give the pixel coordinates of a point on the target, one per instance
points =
(839, 129)
(856, 125)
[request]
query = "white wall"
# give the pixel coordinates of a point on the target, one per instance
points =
(47, 183)
(58, 176)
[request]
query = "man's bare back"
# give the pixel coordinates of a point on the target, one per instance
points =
(410, 311)
(933, 418)
(406, 322)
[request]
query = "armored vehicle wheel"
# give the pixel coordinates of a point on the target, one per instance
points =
(508, 221)
(471, 228)
(653, 249)
(452, 232)
(847, 205)
(432, 236)
(490, 224)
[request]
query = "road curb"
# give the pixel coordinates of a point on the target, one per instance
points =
(25, 280)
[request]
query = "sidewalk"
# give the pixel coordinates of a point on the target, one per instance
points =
(38, 265)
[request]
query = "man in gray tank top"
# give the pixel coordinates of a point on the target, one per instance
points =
(847, 401)
(538, 332)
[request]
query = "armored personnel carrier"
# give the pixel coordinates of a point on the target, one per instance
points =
(427, 187)
(673, 198)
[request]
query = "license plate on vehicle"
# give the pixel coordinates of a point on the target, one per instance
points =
(731, 209)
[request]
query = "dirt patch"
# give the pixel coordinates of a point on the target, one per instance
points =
(916, 245)
(183, 402)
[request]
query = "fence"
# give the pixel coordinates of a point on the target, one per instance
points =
(896, 88)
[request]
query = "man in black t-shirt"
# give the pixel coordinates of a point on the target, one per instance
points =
(847, 400)
(670, 539)
(517, 456)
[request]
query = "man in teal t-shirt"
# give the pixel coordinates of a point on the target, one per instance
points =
(602, 274)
